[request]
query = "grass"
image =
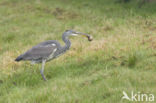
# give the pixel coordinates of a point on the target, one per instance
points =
(122, 56)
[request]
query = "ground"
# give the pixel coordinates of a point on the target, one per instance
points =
(122, 56)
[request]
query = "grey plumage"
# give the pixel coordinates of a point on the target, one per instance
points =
(48, 50)
(40, 51)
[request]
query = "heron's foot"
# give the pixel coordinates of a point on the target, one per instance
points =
(43, 76)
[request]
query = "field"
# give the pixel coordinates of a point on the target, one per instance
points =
(122, 56)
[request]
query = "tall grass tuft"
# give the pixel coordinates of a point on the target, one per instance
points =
(132, 60)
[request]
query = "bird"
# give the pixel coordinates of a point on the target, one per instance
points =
(49, 50)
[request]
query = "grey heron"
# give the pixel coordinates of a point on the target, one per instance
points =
(48, 50)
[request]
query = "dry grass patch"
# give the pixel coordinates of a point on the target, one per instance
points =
(64, 14)
(8, 65)
(152, 41)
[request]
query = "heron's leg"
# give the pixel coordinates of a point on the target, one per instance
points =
(42, 70)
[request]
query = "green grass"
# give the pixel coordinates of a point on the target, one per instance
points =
(121, 57)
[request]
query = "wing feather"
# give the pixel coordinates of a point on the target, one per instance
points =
(39, 52)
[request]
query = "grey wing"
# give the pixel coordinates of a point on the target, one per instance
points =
(40, 52)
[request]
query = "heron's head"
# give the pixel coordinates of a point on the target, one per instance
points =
(74, 33)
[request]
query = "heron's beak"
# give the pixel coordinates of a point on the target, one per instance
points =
(90, 38)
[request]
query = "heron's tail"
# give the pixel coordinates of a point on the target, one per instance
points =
(19, 58)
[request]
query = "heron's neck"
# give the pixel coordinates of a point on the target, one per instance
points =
(66, 41)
